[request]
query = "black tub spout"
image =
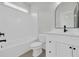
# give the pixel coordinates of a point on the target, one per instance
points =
(3, 40)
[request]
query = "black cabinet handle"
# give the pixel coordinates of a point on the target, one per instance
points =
(70, 47)
(74, 48)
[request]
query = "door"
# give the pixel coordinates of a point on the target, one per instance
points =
(63, 50)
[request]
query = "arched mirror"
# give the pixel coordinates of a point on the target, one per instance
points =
(66, 13)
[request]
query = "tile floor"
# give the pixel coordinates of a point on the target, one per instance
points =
(29, 54)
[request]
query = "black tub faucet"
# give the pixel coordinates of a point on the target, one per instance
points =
(65, 29)
(3, 40)
(2, 34)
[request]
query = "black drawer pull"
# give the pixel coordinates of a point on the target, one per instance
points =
(74, 48)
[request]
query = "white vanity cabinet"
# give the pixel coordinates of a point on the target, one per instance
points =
(62, 46)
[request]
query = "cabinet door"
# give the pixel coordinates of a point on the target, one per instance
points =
(63, 50)
(50, 48)
(75, 51)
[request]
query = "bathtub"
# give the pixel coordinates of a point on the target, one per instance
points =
(16, 48)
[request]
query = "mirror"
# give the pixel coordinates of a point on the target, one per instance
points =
(66, 13)
(76, 16)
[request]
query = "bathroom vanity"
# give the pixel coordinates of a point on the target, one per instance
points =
(60, 44)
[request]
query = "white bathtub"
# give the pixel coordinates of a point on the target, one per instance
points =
(16, 48)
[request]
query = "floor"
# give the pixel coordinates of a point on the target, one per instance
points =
(29, 54)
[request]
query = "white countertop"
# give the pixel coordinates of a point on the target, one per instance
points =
(70, 32)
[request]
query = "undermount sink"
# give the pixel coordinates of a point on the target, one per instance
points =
(59, 31)
(69, 32)
(75, 31)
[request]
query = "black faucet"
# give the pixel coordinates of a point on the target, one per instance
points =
(65, 30)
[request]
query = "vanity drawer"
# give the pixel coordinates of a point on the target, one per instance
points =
(60, 38)
(50, 43)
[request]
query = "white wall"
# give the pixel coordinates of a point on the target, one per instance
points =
(44, 21)
(16, 24)
(46, 18)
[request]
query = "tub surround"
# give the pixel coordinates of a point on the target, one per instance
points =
(62, 44)
(16, 48)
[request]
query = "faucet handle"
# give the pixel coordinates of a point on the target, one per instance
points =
(64, 26)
